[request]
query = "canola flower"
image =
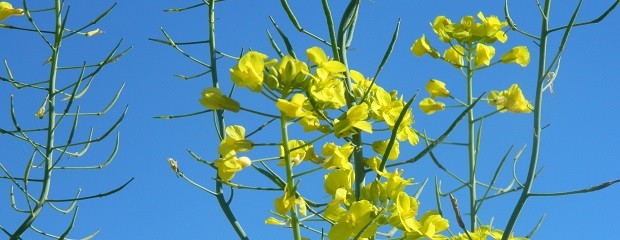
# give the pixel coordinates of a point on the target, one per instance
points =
(7, 10)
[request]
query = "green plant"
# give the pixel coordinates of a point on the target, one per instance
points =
(56, 138)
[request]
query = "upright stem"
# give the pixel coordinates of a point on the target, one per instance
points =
(542, 48)
(51, 121)
(471, 142)
(220, 124)
(290, 181)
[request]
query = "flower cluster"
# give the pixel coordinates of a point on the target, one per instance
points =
(314, 95)
(470, 49)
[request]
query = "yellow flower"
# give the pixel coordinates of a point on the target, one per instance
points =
(385, 107)
(394, 184)
(429, 106)
(249, 71)
(284, 204)
(293, 108)
(360, 214)
(7, 10)
(484, 54)
(519, 55)
(455, 55)
(230, 164)
(235, 141)
(405, 131)
(516, 102)
(339, 179)
(490, 29)
(381, 146)
(296, 155)
(430, 225)
(337, 156)
(422, 46)
(437, 88)
(439, 27)
(403, 217)
(355, 118)
(213, 99)
(511, 100)
(317, 56)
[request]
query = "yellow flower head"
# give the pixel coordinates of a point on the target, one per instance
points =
(318, 57)
(235, 141)
(213, 99)
(429, 106)
(297, 155)
(229, 165)
(7, 10)
(440, 25)
(337, 156)
(249, 71)
(437, 88)
(422, 46)
(430, 225)
(455, 55)
(403, 217)
(519, 55)
(490, 29)
(339, 178)
(355, 118)
(511, 100)
(484, 54)
(358, 219)
(293, 108)
(380, 148)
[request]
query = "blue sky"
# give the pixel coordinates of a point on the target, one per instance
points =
(578, 149)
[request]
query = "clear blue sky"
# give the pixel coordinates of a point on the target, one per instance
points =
(579, 147)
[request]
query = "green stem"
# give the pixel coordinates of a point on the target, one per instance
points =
(51, 121)
(471, 150)
(290, 184)
(542, 47)
(220, 125)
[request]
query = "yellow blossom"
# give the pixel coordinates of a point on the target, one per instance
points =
(511, 100)
(430, 225)
(297, 155)
(293, 108)
(230, 164)
(422, 46)
(235, 141)
(317, 56)
(490, 29)
(439, 27)
(358, 219)
(403, 216)
(484, 54)
(339, 179)
(355, 118)
(337, 156)
(249, 71)
(519, 55)
(454, 55)
(7, 10)
(429, 106)
(405, 131)
(380, 147)
(437, 88)
(213, 99)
